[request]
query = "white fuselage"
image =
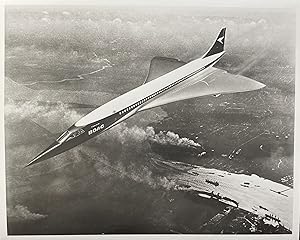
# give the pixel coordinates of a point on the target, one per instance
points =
(139, 97)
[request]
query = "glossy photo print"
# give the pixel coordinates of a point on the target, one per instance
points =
(149, 120)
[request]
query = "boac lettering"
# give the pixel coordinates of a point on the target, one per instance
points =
(96, 129)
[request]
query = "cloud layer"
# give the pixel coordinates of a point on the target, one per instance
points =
(22, 213)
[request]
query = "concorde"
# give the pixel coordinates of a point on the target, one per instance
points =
(168, 80)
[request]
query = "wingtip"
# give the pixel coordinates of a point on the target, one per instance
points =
(46, 154)
(261, 85)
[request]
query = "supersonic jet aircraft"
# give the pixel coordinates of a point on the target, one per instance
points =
(168, 80)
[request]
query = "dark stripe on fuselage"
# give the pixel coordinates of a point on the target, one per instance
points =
(97, 127)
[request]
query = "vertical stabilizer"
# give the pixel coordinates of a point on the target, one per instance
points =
(218, 45)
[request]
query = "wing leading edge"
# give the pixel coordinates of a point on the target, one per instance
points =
(215, 81)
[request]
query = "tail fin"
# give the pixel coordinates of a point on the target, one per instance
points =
(218, 45)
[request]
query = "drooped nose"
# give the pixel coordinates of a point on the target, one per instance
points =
(51, 151)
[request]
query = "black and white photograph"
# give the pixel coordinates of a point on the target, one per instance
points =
(148, 119)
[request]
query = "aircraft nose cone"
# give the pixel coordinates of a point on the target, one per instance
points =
(47, 153)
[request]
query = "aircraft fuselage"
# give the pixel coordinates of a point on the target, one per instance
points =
(124, 106)
(185, 80)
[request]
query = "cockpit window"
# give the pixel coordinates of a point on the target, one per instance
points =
(63, 137)
(67, 135)
(77, 133)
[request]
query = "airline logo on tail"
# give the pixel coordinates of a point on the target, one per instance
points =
(218, 45)
(220, 40)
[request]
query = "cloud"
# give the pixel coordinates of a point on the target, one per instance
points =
(129, 155)
(66, 13)
(133, 140)
(172, 138)
(117, 21)
(21, 212)
(45, 19)
(55, 117)
(144, 175)
(123, 133)
(136, 171)
(136, 30)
